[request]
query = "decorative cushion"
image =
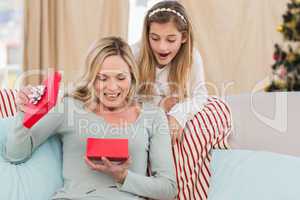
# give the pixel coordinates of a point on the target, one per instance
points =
(7, 103)
(243, 174)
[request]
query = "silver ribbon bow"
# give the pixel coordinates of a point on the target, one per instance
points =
(36, 93)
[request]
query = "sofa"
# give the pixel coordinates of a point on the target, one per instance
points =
(37, 178)
(265, 145)
(263, 162)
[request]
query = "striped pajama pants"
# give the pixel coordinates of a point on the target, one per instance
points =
(209, 129)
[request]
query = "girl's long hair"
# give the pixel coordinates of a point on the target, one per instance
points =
(181, 63)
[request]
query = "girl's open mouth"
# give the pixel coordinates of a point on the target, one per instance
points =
(164, 55)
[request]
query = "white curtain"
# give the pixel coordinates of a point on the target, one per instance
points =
(236, 40)
(59, 32)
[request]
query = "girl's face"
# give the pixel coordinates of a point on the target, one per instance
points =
(113, 82)
(165, 41)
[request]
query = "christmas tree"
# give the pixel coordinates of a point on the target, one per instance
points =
(286, 69)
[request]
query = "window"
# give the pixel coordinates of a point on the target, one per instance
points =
(137, 12)
(11, 16)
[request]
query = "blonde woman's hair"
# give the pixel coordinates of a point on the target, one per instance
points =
(99, 51)
(181, 63)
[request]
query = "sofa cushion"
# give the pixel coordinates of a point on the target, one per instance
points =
(248, 175)
(266, 121)
(36, 179)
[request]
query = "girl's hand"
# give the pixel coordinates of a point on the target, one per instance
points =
(117, 171)
(168, 102)
(175, 129)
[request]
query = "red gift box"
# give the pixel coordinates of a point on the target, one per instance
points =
(112, 149)
(34, 112)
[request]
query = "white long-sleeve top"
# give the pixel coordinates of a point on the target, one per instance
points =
(185, 110)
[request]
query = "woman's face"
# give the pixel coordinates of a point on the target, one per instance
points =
(165, 41)
(113, 82)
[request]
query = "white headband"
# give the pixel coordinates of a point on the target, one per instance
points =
(167, 10)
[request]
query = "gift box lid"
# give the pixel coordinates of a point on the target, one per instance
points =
(112, 149)
(34, 112)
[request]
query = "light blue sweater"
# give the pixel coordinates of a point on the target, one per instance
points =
(148, 137)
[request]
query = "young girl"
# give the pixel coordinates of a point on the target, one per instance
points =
(171, 69)
(102, 107)
(171, 74)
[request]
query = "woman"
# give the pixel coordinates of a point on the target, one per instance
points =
(102, 106)
(171, 74)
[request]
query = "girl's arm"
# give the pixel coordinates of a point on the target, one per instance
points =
(184, 111)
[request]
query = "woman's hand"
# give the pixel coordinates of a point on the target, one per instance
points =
(117, 171)
(175, 129)
(168, 102)
(29, 94)
(22, 98)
